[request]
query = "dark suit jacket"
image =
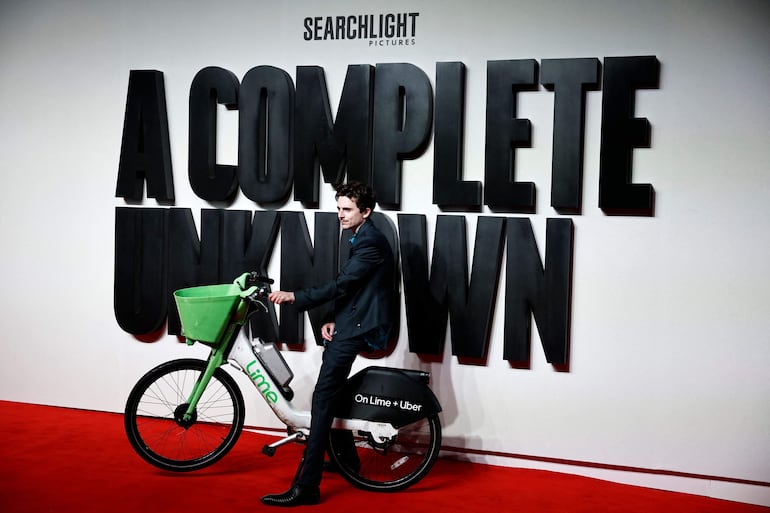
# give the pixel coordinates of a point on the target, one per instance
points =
(362, 290)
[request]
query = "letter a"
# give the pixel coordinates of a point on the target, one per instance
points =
(145, 152)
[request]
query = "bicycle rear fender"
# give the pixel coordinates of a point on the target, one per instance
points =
(395, 396)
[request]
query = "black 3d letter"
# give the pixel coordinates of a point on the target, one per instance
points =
(546, 294)
(621, 133)
(230, 244)
(332, 145)
(569, 79)
(189, 265)
(422, 310)
(266, 115)
(246, 243)
(505, 133)
(210, 181)
(447, 292)
(470, 305)
(140, 269)
(145, 152)
(449, 191)
(247, 246)
(403, 114)
(302, 266)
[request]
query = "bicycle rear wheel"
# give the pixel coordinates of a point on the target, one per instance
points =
(390, 466)
(154, 416)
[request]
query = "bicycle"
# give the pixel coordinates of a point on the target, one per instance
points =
(186, 414)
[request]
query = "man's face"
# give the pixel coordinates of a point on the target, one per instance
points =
(351, 218)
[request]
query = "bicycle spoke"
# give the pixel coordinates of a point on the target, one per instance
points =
(173, 443)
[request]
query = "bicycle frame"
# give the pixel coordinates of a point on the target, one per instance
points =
(243, 358)
(241, 355)
(387, 428)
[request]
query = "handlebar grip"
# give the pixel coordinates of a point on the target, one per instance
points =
(254, 276)
(251, 279)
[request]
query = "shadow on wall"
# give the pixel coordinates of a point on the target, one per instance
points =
(441, 383)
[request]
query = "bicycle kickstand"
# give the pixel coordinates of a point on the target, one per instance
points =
(269, 449)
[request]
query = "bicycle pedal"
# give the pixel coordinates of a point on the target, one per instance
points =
(268, 451)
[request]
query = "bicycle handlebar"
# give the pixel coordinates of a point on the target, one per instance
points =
(255, 277)
(255, 287)
(251, 279)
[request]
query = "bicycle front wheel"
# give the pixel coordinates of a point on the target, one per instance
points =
(155, 423)
(391, 465)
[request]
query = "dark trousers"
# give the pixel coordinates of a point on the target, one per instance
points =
(337, 361)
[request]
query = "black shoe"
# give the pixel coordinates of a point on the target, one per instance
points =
(296, 496)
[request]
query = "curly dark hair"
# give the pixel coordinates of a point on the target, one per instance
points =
(361, 194)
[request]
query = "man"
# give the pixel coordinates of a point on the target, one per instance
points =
(362, 321)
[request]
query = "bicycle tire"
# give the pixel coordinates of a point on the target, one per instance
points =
(153, 416)
(389, 467)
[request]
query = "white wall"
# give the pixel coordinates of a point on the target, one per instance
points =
(670, 346)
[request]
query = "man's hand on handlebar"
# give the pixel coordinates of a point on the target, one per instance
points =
(280, 296)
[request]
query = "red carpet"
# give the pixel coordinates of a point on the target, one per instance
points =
(63, 460)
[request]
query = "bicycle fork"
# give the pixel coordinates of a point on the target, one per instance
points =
(214, 362)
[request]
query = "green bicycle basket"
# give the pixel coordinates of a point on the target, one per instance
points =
(205, 311)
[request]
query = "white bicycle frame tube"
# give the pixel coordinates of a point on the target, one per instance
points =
(243, 358)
